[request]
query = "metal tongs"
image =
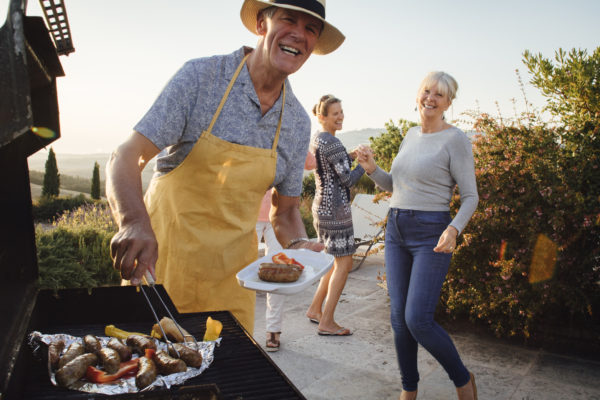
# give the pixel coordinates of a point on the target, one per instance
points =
(150, 282)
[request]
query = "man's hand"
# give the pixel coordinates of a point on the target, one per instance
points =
(134, 248)
(134, 251)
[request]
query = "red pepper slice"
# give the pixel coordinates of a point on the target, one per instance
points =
(281, 258)
(149, 353)
(95, 375)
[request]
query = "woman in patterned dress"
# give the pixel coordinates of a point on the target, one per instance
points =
(331, 212)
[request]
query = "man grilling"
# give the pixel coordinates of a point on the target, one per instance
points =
(227, 128)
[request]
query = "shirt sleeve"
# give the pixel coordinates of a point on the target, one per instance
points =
(462, 169)
(382, 179)
(341, 162)
(165, 121)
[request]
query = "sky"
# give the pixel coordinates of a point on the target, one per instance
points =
(127, 50)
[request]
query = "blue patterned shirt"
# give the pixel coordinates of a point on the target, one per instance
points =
(185, 107)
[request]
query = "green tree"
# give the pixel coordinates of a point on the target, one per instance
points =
(96, 182)
(571, 83)
(51, 187)
(387, 144)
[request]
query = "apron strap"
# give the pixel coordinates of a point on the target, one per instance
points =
(224, 99)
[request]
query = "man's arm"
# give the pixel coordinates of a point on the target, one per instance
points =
(287, 223)
(134, 248)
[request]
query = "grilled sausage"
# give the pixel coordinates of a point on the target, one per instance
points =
(54, 351)
(75, 369)
(271, 272)
(166, 364)
(192, 358)
(146, 373)
(109, 359)
(92, 344)
(140, 343)
(123, 350)
(74, 350)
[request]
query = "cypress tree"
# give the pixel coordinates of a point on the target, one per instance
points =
(96, 182)
(51, 177)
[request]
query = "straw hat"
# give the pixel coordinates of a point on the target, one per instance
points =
(329, 40)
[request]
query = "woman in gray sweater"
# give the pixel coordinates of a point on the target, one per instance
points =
(332, 217)
(420, 235)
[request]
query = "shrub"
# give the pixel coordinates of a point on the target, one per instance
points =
(76, 251)
(524, 262)
(46, 209)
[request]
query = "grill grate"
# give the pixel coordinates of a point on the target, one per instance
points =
(240, 370)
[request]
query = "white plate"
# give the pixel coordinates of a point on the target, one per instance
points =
(315, 266)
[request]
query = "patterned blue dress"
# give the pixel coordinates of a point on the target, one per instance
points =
(332, 216)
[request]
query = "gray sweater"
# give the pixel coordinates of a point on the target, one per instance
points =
(427, 168)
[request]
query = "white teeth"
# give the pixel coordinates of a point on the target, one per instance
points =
(291, 50)
(428, 106)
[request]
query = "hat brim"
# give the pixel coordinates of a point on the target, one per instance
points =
(329, 40)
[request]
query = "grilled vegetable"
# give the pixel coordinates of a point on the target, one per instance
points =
(213, 329)
(95, 375)
(113, 331)
(170, 328)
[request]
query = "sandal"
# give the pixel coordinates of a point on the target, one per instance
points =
(272, 341)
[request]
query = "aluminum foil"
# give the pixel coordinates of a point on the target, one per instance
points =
(39, 342)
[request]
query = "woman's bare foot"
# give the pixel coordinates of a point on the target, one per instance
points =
(468, 391)
(313, 317)
(408, 395)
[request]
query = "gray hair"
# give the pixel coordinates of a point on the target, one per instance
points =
(445, 83)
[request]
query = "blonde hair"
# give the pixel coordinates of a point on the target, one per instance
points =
(324, 103)
(445, 83)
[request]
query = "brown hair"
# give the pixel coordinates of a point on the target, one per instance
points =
(324, 103)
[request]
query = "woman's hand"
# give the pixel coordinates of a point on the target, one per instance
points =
(366, 159)
(447, 241)
(353, 154)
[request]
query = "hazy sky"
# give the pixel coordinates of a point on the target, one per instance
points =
(126, 51)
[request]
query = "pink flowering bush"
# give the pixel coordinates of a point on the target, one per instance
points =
(528, 264)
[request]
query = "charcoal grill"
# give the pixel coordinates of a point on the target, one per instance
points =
(29, 66)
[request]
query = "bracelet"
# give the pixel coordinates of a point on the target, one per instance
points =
(294, 241)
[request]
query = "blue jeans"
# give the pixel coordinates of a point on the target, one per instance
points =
(415, 274)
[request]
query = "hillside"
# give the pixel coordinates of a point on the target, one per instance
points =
(76, 169)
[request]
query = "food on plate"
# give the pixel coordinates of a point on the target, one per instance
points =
(191, 357)
(139, 343)
(280, 273)
(113, 331)
(170, 328)
(74, 350)
(91, 344)
(54, 351)
(75, 369)
(109, 359)
(282, 258)
(147, 370)
(123, 350)
(96, 375)
(213, 329)
(168, 365)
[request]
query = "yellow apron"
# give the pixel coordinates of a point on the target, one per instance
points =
(204, 215)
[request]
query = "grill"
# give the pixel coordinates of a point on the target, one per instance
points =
(29, 65)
